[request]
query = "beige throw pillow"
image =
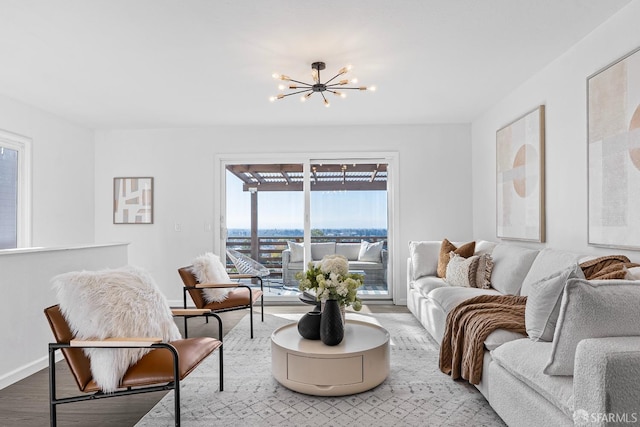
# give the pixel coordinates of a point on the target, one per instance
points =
(473, 272)
(462, 271)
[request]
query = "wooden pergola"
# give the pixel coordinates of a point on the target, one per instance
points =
(290, 177)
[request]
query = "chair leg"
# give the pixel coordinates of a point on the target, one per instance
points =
(186, 333)
(52, 388)
(251, 316)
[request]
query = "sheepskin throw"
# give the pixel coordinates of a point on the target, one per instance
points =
(209, 269)
(123, 302)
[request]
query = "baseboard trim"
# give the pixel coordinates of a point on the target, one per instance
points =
(24, 371)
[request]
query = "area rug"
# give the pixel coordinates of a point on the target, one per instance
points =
(416, 393)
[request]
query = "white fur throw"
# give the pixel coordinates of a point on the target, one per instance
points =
(209, 269)
(123, 302)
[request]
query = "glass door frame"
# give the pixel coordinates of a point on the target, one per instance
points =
(221, 161)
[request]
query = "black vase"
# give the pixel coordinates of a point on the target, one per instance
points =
(331, 327)
(309, 325)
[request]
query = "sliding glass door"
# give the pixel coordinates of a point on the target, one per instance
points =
(283, 215)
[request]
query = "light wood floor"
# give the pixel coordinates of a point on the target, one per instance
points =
(25, 403)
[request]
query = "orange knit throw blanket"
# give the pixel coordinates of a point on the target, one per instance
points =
(467, 327)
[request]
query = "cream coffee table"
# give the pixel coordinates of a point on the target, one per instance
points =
(359, 363)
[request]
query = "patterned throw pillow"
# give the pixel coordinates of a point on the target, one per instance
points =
(474, 272)
(462, 271)
(464, 251)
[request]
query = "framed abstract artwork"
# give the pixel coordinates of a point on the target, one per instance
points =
(520, 178)
(133, 200)
(613, 117)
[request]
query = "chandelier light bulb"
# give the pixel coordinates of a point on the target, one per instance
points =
(326, 103)
(353, 80)
(303, 98)
(280, 87)
(372, 88)
(272, 98)
(276, 76)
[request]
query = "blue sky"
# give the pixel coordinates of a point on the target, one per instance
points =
(329, 209)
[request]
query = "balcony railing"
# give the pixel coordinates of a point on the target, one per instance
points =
(270, 247)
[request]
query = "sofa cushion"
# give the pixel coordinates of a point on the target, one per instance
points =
(297, 251)
(525, 360)
(593, 309)
(424, 258)
(510, 266)
(484, 247)
(465, 251)
(348, 250)
(547, 262)
(543, 302)
(501, 336)
(320, 250)
(365, 265)
(370, 251)
(426, 284)
(448, 297)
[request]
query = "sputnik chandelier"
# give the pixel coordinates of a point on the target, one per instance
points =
(308, 89)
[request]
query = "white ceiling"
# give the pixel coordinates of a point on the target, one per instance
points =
(190, 63)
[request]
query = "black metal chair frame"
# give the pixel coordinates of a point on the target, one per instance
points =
(186, 289)
(172, 385)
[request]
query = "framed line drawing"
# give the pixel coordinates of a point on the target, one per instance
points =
(613, 126)
(133, 200)
(520, 210)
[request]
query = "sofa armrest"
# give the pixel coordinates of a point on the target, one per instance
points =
(409, 273)
(286, 256)
(606, 381)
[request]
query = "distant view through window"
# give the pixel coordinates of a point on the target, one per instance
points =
(8, 198)
(348, 204)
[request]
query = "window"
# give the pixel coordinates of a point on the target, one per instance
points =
(14, 190)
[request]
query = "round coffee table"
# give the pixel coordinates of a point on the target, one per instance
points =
(359, 363)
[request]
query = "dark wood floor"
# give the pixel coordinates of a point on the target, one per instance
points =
(25, 403)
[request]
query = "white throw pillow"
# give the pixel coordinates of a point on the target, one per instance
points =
(297, 251)
(547, 262)
(123, 302)
(321, 250)
(348, 250)
(593, 309)
(370, 251)
(510, 266)
(462, 271)
(209, 269)
(543, 303)
(424, 258)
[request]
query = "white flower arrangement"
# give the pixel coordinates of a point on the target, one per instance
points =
(330, 279)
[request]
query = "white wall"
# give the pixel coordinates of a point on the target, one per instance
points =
(434, 199)
(62, 174)
(26, 292)
(561, 86)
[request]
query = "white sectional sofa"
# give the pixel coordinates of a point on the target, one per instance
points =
(592, 364)
(367, 257)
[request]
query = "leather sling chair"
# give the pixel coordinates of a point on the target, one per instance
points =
(159, 370)
(240, 297)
